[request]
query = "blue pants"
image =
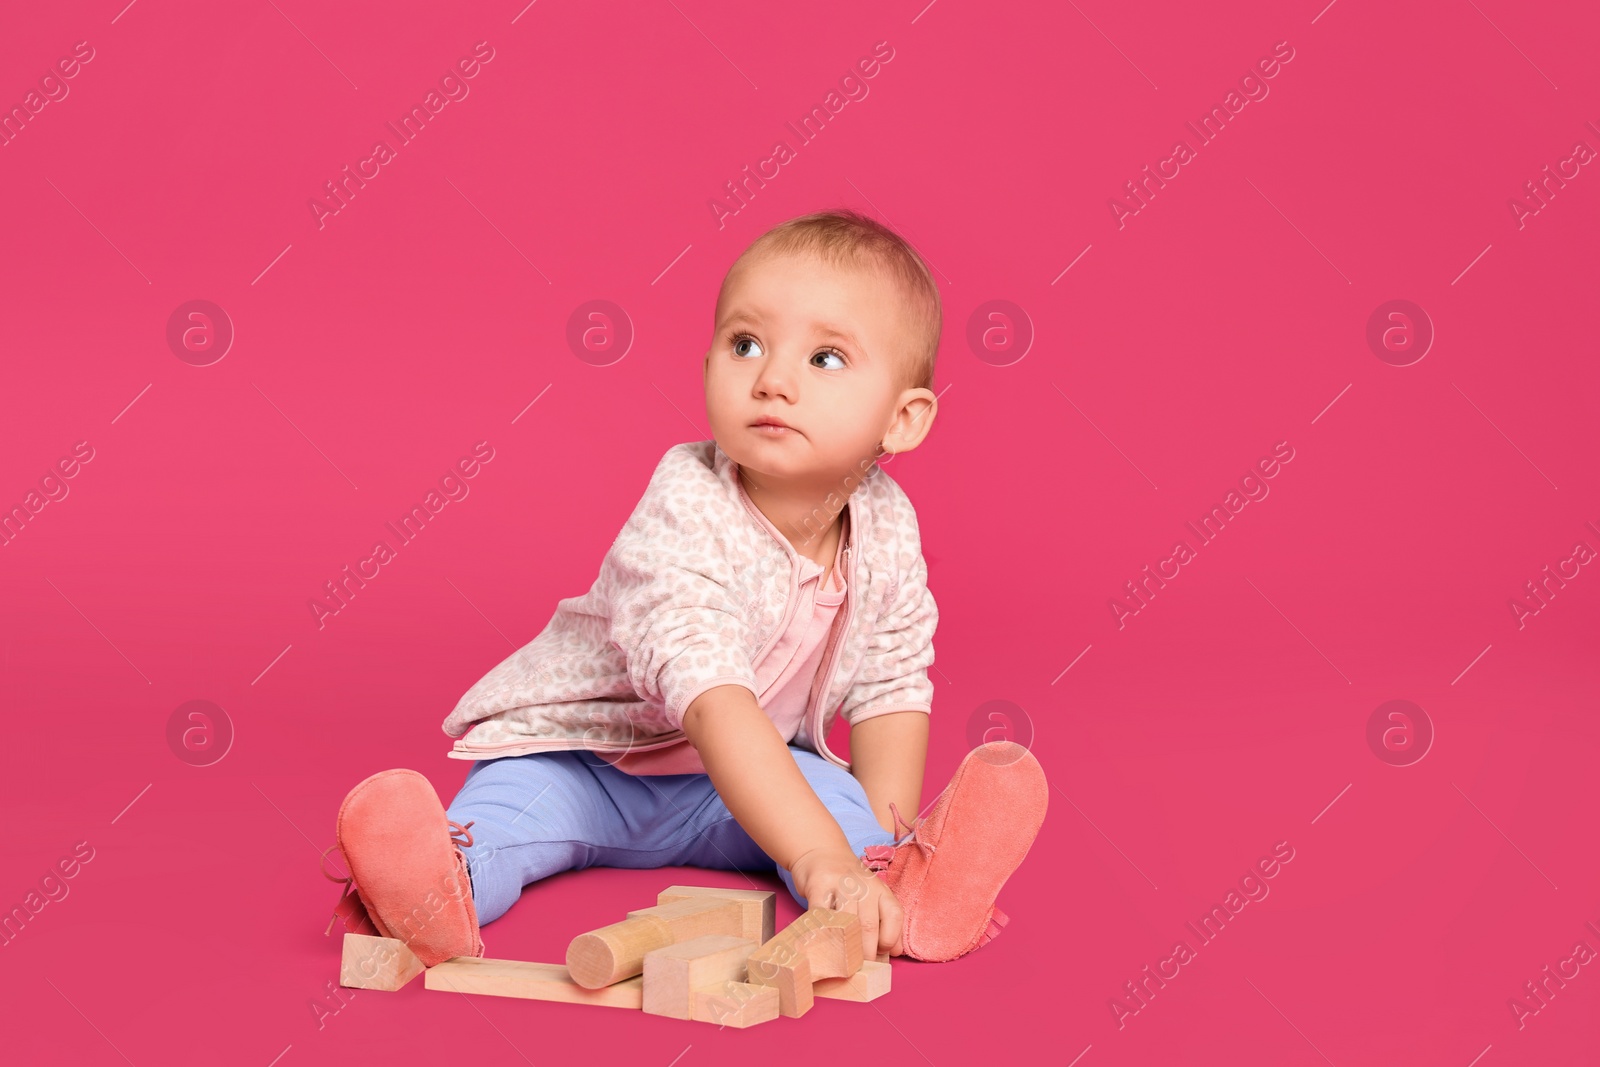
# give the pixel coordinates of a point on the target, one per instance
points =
(539, 814)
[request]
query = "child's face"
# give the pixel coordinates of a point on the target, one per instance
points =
(821, 348)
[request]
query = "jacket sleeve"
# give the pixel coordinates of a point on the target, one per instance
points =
(673, 613)
(894, 670)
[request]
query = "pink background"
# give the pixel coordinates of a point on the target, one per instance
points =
(1228, 314)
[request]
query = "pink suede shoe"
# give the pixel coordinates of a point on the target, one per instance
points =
(406, 867)
(947, 871)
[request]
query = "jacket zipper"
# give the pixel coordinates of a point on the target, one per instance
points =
(819, 713)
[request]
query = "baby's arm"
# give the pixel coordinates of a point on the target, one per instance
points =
(753, 771)
(757, 778)
(888, 754)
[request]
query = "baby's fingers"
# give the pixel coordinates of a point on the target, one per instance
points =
(891, 925)
(867, 912)
(869, 931)
(858, 898)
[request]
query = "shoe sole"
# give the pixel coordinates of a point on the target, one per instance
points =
(408, 846)
(970, 870)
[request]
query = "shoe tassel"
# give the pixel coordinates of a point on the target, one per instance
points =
(349, 907)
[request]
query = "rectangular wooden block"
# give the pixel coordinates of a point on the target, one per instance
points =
(672, 974)
(369, 962)
(695, 917)
(869, 983)
(758, 907)
(792, 980)
(530, 981)
(835, 951)
(735, 1004)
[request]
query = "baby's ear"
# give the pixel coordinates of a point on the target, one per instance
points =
(918, 407)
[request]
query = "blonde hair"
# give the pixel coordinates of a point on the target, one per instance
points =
(845, 237)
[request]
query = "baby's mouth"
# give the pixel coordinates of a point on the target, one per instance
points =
(768, 429)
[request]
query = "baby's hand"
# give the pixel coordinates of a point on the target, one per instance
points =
(834, 878)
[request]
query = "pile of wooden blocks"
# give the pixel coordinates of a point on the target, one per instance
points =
(700, 953)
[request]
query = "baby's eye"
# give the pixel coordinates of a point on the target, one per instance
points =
(827, 352)
(741, 341)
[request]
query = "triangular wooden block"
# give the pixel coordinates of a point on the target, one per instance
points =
(369, 962)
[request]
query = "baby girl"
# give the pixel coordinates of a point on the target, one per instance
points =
(768, 581)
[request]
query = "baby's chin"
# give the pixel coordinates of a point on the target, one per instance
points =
(771, 457)
(783, 465)
(778, 456)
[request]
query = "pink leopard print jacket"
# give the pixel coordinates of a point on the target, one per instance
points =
(693, 593)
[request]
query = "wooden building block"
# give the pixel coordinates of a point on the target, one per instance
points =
(672, 974)
(822, 943)
(695, 917)
(612, 953)
(759, 906)
(734, 1004)
(793, 982)
(869, 983)
(830, 940)
(530, 981)
(370, 962)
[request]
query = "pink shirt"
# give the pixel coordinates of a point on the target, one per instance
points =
(786, 676)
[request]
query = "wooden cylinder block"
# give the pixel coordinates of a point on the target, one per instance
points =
(612, 953)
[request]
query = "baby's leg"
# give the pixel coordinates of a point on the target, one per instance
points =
(540, 814)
